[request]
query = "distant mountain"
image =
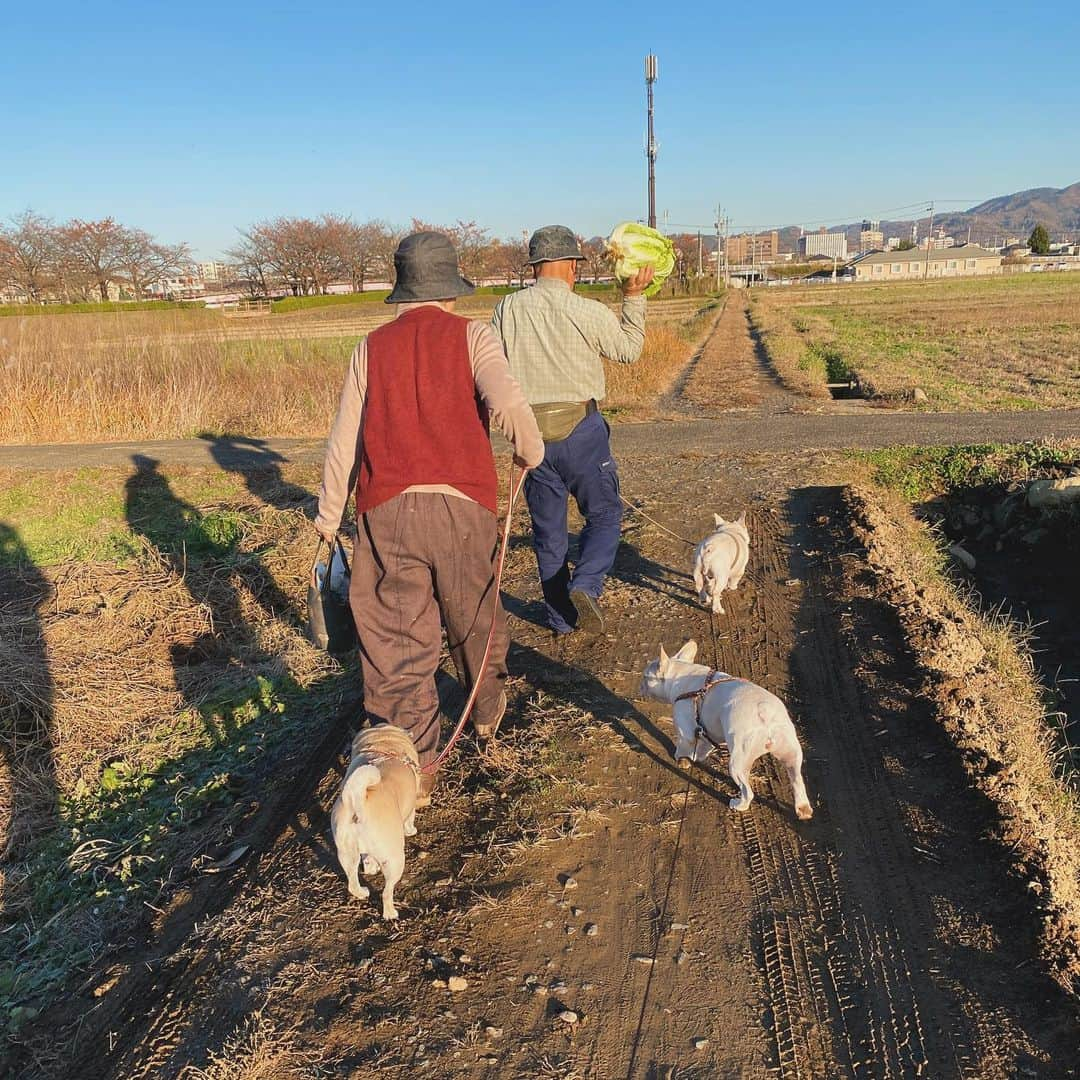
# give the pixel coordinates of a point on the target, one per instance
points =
(1013, 215)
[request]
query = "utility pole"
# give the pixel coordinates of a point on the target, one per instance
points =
(699, 253)
(929, 238)
(719, 250)
(650, 149)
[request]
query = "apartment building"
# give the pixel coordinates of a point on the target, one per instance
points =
(833, 245)
(748, 248)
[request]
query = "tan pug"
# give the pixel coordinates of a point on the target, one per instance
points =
(374, 811)
(720, 560)
(746, 717)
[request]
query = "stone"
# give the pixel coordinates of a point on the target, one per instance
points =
(492, 1032)
(681, 957)
(456, 983)
(919, 396)
(641, 958)
(700, 1044)
(569, 882)
(962, 556)
(591, 929)
(1052, 493)
(568, 1016)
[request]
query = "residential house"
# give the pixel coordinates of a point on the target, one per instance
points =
(964, 260)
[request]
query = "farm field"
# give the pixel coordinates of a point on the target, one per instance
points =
(173, 743)
(993, 343)
(163, 374)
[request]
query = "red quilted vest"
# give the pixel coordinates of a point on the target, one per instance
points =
(423, 420)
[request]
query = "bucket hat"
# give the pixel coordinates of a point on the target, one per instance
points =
(553, 243)
(427, 269)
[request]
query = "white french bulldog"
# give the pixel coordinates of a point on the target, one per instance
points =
(375, 810)
(746, 717)
(720, 560)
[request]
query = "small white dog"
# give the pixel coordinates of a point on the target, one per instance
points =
(374, 811)
(720, 560)
(746, 717)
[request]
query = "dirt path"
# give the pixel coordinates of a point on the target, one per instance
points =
(882, 939)
(731, 371)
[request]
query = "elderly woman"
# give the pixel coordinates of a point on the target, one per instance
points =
(412, 434)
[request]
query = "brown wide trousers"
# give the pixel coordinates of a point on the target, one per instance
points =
(425, 561)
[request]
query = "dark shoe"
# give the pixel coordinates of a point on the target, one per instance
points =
(589, 616)
(424, 790)
(487, 731)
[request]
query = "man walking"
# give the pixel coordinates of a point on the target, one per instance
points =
(554, 340)
(412, 434)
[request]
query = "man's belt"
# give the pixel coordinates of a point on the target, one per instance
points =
(556, 419)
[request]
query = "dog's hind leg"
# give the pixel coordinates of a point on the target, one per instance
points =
(791, 757)
(740, 772)
(392, 869)
(352, 872)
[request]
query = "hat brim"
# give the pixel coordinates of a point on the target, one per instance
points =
(555, 258)
(424, 293)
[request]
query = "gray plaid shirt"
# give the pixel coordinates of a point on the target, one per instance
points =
(554, 340)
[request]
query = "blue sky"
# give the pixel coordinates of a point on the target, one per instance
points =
(194, 119)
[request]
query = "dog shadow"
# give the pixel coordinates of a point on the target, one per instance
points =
(622, 715)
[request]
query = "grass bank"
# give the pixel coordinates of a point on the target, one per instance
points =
(981, 674)
(98, 308)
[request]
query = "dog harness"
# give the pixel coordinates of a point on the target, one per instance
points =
(380, 756)
(714, 678)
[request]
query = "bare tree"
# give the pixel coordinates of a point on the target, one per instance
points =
(597, 260)
(94, 251)
(143, 260)
(28, 254)
(508, 260)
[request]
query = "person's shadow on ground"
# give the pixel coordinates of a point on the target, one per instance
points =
(260, 466)
(27, 736)
(203, 548)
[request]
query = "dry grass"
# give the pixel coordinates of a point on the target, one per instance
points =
(989, 700)
(668, 349)
(992, 343)
(257, 1050)
(173, 374)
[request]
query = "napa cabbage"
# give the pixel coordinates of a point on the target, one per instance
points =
(632, 246)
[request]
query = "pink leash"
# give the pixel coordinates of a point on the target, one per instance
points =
(514, 489)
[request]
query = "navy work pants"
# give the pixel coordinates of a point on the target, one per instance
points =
(580, 465)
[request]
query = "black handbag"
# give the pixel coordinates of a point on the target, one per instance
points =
(330, 620)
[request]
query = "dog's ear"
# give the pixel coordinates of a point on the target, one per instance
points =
(687, 652)
(741, 519)
(664, 661)
(718, 520)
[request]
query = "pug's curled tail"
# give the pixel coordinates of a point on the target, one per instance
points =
(356, 788)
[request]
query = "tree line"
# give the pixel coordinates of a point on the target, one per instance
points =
(42, 260)
(78, 260)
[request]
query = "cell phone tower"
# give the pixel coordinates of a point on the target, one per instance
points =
(650, 149)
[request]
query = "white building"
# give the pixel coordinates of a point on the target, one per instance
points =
(833, 245)
(214, 272)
